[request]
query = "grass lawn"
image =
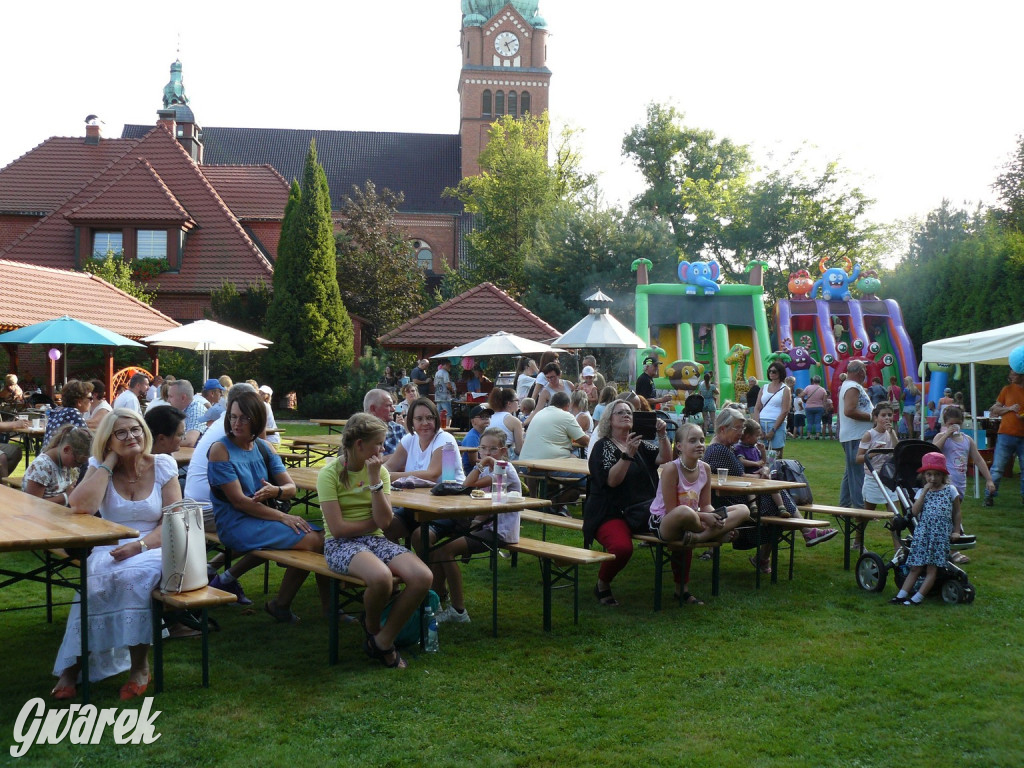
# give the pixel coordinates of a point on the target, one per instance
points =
(809, 672)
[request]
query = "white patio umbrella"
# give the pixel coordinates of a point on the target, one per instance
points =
(498, 344)
(206, 336)
(600, 330)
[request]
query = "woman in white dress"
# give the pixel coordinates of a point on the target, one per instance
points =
(128, 485)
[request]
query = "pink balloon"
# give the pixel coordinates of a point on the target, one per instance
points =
(54, 354)
(468, 363)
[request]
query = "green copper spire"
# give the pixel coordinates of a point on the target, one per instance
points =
(174, 91)
(476, 13)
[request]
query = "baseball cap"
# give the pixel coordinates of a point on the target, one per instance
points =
(651, 361)
(480, 410)
(213, 384)
(266, 389)
(587, 370)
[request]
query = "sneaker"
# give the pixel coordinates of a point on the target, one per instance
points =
(452, 615)
(815, 536)
(990, 500)
(235, 588)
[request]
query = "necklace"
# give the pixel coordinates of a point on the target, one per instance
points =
(689, 469)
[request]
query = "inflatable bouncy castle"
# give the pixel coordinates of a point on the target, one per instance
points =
(822, 327)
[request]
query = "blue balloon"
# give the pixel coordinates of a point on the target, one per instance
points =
(1017, 360)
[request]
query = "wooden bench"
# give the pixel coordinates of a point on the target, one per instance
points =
(660, 551)
(202, 599)
(13, 482)
(559, 562)
(345, 589)
(850, 521)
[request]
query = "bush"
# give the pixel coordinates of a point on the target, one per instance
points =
(346, 398)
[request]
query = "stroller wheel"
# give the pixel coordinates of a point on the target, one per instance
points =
(953, 592)
(969, 593)
(871, 572)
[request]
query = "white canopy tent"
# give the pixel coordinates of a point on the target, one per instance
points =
(991, 347)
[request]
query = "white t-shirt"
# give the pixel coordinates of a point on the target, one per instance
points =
(127, 399)
(418, 459)
(550, 435)
(851, 429)
(197, 484)
(524, 385)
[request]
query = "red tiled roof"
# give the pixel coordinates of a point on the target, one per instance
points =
(250, 191)
(43, 178)
(137, 192)
(31, 294)
(470, 315)
(217, 248)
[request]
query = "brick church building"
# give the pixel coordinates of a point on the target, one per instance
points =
(205, 203)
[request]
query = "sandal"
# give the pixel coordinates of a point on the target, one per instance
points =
(383, 656)
(283, 615)
(705, 556)
(764, 566)
(605, 596)
(959, 558)
(687, 599)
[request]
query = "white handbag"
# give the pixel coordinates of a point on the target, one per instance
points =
(183, 545)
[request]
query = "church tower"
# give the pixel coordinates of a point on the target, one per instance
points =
(504, 69)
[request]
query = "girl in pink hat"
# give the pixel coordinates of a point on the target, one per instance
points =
(937, 509)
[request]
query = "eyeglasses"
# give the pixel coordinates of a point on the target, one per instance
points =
(239, 418)
(122, 434)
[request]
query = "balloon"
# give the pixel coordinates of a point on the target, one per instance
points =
(1017, 360)
(468, 363)
(54, 354)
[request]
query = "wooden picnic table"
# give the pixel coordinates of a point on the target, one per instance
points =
(30, 437)
(333, 425)
(429, 508)
(29, 523)
(183, 455)
(548, 467)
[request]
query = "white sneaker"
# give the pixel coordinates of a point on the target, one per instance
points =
(452, 615)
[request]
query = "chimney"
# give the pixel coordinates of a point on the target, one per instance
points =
(93, 133)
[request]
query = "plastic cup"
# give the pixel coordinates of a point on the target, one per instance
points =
(35, 423)
(723, 476)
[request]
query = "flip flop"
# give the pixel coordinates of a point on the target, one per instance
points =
(285, 616)
(605, 596)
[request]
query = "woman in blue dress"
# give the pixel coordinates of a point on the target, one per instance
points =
(245, 475)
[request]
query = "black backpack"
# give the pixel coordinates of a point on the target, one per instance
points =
(793, 471)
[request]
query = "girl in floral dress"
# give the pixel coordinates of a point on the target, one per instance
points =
(937, 509)
(54, 473)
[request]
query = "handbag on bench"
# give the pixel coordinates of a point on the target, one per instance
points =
(183, 548)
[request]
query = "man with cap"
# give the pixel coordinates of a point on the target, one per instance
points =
(645, 382)
(378, 402)
(265, 393)
(480, 418)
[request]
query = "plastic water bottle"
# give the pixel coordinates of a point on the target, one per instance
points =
(498, 483)
(431, 622)
(449, 463)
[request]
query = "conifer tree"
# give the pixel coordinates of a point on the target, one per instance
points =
(306, 320)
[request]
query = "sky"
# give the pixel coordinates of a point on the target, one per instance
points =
(918, 101)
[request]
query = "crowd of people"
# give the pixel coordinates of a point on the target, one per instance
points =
(108, 457)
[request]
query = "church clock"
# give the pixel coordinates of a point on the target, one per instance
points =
(506, 44)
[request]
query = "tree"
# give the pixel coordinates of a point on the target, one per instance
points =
(1009, 186)
(378, 275)
(515, 191)
(694, 181)
(246, 311)
(307, 321)
(117, 270)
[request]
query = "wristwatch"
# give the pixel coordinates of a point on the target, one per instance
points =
(378, 487)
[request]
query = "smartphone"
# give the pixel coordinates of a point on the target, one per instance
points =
(645, 424)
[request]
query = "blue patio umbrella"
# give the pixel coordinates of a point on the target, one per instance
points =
(66, 330)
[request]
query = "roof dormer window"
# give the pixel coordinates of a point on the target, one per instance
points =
(107, 241)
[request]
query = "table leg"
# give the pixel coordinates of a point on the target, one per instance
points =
(83, 559)
(494, 577)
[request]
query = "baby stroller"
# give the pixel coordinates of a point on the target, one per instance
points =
(898, 476)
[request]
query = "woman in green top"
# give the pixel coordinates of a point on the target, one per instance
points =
(354, 492)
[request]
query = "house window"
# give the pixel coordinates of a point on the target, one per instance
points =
(106, 242)
(151, 244)
(487, 103)
(512, 103)
(499, 103)
(424, 255)
(524, 103)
